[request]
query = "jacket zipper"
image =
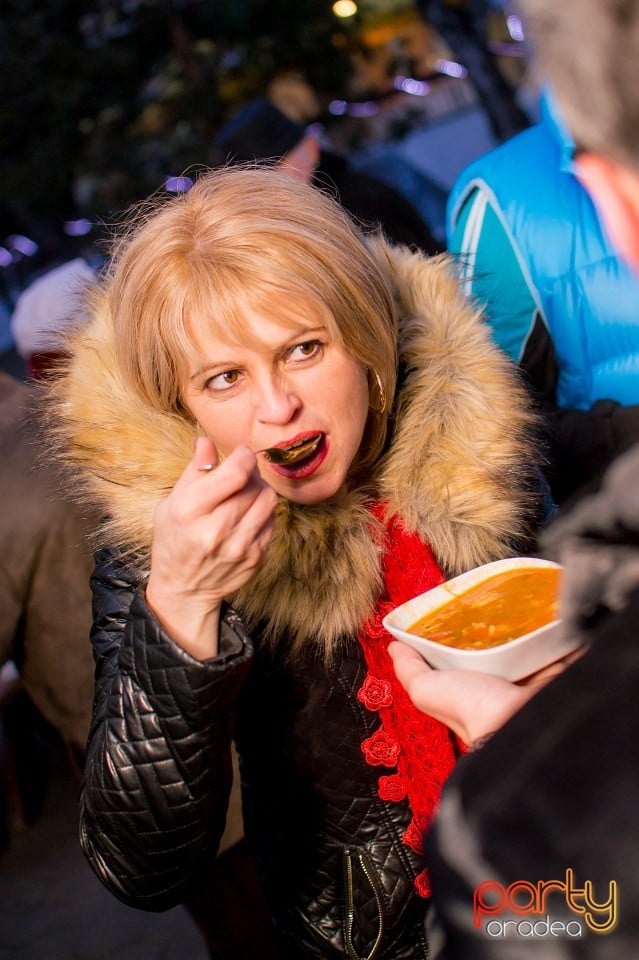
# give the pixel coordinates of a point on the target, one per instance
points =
(350, 855)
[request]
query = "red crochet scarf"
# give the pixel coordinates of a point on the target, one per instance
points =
(421, 750)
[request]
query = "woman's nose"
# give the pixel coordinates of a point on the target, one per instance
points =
(277, 401)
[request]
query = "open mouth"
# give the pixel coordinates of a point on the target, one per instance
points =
(294, 453)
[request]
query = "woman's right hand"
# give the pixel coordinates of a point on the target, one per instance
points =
(209, 536)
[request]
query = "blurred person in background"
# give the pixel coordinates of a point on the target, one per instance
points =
(550, 798)
(45, 310)
(262, 132)
(559, 298)
(45, 608)
(463, 24)
(46, 685)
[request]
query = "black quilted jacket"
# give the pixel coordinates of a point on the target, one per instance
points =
(337, 874)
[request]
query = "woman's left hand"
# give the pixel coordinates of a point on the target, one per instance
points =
(472, 704)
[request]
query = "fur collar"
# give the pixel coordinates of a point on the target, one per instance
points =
(457, 467)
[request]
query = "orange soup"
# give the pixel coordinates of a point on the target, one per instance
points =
(507, 605)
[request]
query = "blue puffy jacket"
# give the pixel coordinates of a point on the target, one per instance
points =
(560, 301)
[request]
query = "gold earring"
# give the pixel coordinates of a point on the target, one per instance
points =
(382, 394)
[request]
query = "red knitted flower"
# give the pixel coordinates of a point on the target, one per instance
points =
(422, 883)
(375, 693)
(413, 837)
(381, 750)
(391, 788)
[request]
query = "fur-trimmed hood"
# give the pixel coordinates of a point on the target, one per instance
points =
(457, 468)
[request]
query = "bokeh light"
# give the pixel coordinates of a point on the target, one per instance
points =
(344, 8)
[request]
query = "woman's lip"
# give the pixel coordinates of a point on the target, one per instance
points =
(300, 437)
(307, 467)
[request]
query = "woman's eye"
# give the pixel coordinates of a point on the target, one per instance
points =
(306, 350)
(224, 381)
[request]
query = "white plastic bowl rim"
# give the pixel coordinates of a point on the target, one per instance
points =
(513, 660)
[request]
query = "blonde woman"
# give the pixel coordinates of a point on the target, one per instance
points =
(290, 427)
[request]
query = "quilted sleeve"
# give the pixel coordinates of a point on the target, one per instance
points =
(158, 771)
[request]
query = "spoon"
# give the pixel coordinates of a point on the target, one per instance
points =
(282, 456)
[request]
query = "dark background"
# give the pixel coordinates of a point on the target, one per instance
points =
(102, 100)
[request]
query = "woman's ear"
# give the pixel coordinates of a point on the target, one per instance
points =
(614, 188)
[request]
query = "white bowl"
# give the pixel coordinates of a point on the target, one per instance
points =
(512, 660)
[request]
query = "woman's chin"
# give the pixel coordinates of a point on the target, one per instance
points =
(311, 491)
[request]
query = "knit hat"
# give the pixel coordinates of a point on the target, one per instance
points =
(259, 132)
(48, 306)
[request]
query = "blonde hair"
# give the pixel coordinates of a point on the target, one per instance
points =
(247, 237)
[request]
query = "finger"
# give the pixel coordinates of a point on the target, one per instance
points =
(239, 521)
(237, 473)
(416, 676)
(208, 488)
(403, 656)
(261, 512)
(236, 557)
(205, 456)
(255, 536)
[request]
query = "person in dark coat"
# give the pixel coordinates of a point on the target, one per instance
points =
(464, 25)
(261, 132)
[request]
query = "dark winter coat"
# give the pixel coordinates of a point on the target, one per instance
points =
(557, 787)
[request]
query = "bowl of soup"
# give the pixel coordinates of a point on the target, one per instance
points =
(500, 618)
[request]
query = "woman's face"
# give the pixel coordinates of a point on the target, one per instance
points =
(280, 385)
